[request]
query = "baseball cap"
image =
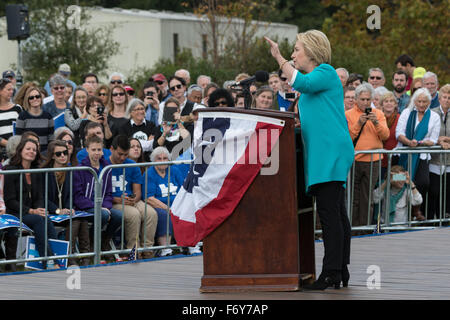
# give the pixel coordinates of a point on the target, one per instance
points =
(8, 74)
(129, 89)
(64, 68)
(419, 72)
(159, 77)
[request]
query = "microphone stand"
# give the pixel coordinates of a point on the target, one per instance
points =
(247, 95)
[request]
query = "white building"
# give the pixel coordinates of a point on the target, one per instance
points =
(146, 36)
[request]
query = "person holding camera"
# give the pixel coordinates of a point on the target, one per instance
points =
(368, 129)
(96, 112)
(151, 101)
(402, 192)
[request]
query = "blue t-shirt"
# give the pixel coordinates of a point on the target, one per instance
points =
(132, 175)
(158, 187)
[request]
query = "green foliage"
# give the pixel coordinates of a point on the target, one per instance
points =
(418, 28)
(55, 41)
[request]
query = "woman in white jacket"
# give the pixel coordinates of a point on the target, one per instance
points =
(402, 191)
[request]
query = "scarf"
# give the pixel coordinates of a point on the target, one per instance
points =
(393, 200)
(391, 119)
(418, 134)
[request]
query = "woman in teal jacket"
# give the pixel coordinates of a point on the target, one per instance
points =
(328, 148)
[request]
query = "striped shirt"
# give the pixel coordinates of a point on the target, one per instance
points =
(42, 125)
(7, 118)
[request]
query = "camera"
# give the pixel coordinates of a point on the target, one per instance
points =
(149, 94)
(100, 111)
(368, 110)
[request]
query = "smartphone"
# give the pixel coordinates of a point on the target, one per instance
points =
(290, 95)
(168, 114)
(399, 177)
(368, 110)
(133, 195)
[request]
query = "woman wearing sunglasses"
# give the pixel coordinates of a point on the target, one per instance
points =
(59, 193)
(68, 139)
(33, 118)
(103, 93)
(58, 104)
(117, 107)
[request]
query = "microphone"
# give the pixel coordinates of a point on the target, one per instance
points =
(260, 76)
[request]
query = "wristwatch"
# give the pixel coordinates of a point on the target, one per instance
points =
(58, 211)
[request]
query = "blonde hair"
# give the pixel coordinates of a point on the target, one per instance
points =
(26, 104)
(385, 96)
(317, 46)
(445, 89)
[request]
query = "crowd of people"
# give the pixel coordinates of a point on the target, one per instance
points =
(63, 124)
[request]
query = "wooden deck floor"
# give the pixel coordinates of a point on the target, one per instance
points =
(413, 265)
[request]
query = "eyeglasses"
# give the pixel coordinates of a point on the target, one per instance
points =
(116, 81)
(374, 77)
(60, 153)
(139, 109)
(68, 142)
(59, 88)
(34, 97)
(220, 103)
(118, 94)
(351, 97)
(178, 86)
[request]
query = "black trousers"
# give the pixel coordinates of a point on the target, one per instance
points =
(434, 196)
(330, 201)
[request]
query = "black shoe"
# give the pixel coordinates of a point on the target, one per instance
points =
(325, 281)
(345, 276)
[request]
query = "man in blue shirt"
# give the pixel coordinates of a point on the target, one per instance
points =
(140, 219)
(399, 82)
(93, 129)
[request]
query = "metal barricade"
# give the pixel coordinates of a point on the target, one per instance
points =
(98, 199)
(381, 214)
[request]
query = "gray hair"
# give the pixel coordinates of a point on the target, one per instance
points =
(376, 69)
(12, 144)
(57, 79)
(183, 71)
(133, 104)
(380, 91)
(416, 94)
(364, 87)
(203, 76)
(114, 74)
(430, 74)
(157, 151)
(194, 87)
(228, 83)
(63, 129)
(345, 71)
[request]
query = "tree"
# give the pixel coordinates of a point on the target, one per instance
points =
(60, 34)
(419, 28)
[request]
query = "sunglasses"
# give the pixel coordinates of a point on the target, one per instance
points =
(178, 86)
(59, 88)
(159, 82)
(68, 142)
(102, 94)
(60, 153)
(34, 97)
(283, 78)
(116, 81)
(130, 92)
(220, 103)
(373, 77)
(118, 94)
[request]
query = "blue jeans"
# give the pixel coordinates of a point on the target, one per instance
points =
(115, 221)
(37, 224)
(161, 227)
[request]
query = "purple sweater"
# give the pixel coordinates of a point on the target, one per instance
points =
(83, 186)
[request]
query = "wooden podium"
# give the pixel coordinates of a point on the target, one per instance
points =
(265, 245)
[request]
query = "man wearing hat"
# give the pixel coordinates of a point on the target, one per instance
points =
(161, 81)
(9, 74)
(64, 70)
